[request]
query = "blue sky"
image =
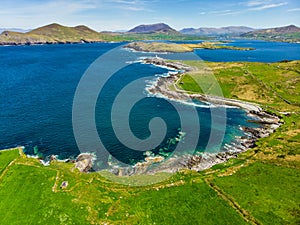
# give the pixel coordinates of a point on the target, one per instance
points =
(125, 14)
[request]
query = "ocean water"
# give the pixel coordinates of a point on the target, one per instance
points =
(264, 52)
(38, 84)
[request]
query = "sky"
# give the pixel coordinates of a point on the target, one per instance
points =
(112, 15)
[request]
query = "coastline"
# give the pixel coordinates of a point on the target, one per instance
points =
(48, 43)
(162, 47)
(269, 123)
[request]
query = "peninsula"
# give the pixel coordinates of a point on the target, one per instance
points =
(179, 48)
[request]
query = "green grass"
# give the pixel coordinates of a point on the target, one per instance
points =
(189, 204)
(276, 85)
(27, 198)
(6, 157)
(265, 191)
(188, 83)
(269, 192)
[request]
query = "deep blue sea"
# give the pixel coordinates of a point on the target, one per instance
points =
(264, 52)
(38, 84)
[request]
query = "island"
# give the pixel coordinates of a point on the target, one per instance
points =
(180, 48)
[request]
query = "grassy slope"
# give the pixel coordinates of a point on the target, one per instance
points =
(5, 160)
(275, 86)
(52, 33)
(29, 195)
(263, 83)
(260, 186)
(271, 201)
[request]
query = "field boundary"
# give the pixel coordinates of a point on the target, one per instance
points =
(243, 213)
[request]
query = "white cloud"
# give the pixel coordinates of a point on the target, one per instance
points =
(133, 8)
(268, 6)
(128, 2)
(255, 3)
(130, 5)
(220, 11)
(231, 13)
(294, 10)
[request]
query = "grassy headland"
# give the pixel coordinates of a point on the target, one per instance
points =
(178, 48)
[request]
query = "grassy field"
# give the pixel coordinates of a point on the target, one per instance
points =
(266, 191)
(31, 194)
(259, 187)
(272, 84)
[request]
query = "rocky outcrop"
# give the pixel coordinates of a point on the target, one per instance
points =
(84, 162)
(172, 65)
(138, 168)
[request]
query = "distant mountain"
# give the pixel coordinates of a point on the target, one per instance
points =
(273, 31)
(52, 33)
(153, 28)
(290, 31)
(14, 29)
(231, 30)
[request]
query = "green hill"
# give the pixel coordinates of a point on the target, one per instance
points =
(52, 33)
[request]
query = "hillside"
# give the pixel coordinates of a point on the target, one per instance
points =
(231, 30)
(287, 33)
(153, 28)
(52, 33)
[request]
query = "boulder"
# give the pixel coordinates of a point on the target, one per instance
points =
(84, 162)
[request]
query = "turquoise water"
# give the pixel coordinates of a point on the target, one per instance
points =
(38, 84)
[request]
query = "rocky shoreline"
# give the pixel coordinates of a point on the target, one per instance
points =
(200, 161)
(268, 124)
